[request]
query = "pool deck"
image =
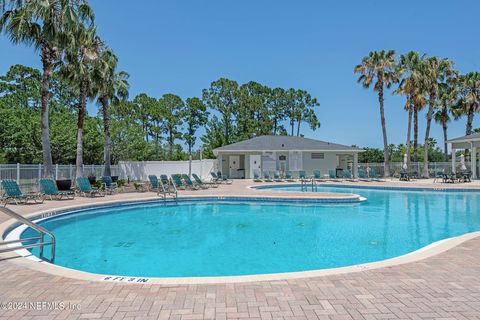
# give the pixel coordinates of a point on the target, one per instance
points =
(442, 286)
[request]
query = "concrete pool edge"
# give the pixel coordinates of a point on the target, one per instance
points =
(28, 261)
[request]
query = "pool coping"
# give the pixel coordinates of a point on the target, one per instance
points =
(26, 259)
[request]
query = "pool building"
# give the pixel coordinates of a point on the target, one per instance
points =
(285, 153)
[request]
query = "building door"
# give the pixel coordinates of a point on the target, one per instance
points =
(255, 164)
(234, 165)
(282, 163)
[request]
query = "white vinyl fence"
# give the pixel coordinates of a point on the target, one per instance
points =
(27, 175)
(140, 170)
(433, 167)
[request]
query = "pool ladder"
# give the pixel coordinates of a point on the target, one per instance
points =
(306, 183)
(42, 232)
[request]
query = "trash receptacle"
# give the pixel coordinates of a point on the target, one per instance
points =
(339, 173)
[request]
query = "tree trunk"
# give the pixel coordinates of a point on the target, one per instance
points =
(468, 131)
(275, 124)
(189, 159)
(415, 134)
(45, 97)
(226, 123)
(431, 105)
(82, 105)
(298, 127)
(409, 132)
(445, 144)
(386, 162)
(170, 144)
(470, 116)
(106, 131)
(292, 119)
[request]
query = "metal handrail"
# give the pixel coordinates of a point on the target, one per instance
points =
(42, 232)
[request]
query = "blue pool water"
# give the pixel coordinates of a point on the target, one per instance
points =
(219, 238)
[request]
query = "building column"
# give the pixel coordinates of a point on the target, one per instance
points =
(473, 162)
(453, 160)
(355, 165)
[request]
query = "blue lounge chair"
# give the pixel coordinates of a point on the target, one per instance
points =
(302, 175)
(108, 184)
(266, 176)
(202, 184)
(332, 176)
(86, 189)
(256, 176)
(289, 176)
(154, 185)
(223, 179)
(277, 177)
(49, 188)
(177, 182)
(317, 175)
(362, 176)
(189, 183)
(347, 175)
(12, 192)
(373, 176)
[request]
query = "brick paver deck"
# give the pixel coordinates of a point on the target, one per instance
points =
(446, 286)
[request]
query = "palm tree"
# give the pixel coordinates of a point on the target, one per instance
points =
(435, 72)
(80, 59)
(469, 97)
(42, 24)
(110, 87)
(411, 86)
(379, 68)
(447, 95)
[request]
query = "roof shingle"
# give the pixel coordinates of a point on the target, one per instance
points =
(287, 143)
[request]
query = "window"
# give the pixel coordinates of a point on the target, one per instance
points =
(316, 155)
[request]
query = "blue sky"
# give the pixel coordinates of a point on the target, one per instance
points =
(182, 46)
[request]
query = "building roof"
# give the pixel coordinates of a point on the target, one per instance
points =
(284, 143)
(467, 138)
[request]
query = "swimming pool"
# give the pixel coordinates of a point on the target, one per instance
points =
(245, 237)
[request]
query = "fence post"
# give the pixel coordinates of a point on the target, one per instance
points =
(70, 173)
(18, 173)
(39, 171)
(56, 171)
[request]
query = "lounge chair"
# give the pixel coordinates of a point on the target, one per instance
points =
(289, 177)
(332, 176)
(177, 182)
(203, 184)
(189, 183)
(277, 177)
(266, 176)
(374, 177)
(49, 188)
(256, 176)
(215, 177)
(110, 186)
(301, 175)
(223, 179)
(317, 175)
(347, 175)
(154, 185)
(12, 192)
(86, 189)
(166, 186)
(362, 176)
